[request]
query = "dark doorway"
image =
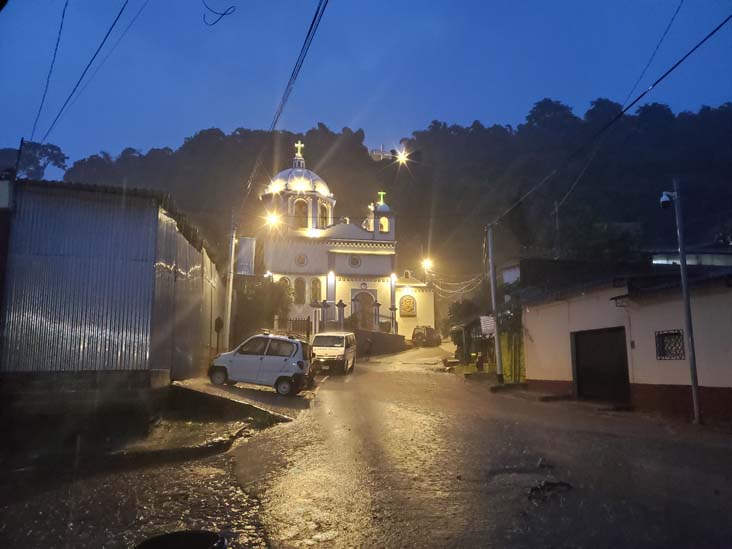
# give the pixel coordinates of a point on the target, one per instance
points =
(601, 365)
(364, 308)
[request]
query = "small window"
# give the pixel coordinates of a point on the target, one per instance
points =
(278, 347)
(315, 292)
(285, 281)
(383, 225)
(300, 291)
(354, 261)
(323, 216)
(301, 214)
(670, 345)
(255, 346)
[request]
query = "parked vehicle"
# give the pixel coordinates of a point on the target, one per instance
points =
(281, 362)
(334, 351)
(426, 336)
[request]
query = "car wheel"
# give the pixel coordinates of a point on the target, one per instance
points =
(284, 386)
(219, 376)
(353, 363)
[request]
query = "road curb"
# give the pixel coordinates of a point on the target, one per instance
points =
(262, 416)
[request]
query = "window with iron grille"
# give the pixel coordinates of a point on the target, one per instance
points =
(670, 345)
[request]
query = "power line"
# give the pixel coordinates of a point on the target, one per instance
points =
(579, 177)
(221, 14)
(50, 70)
(109, 53)
(655, 51)
(635, 85)
(608, 125)
(320, 9)
(86, 69)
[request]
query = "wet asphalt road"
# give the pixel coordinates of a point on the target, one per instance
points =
(399, 455)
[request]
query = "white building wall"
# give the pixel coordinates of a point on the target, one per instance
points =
(425, 299)
(711, 310)
(548, 328)
(371, 264)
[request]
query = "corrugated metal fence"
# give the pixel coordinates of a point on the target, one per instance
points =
(79, 284)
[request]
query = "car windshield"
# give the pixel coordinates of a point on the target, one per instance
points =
(328, 341)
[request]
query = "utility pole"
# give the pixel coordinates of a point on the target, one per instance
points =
(492, 273)
(230, 284)
(557, 241)
(687, 301)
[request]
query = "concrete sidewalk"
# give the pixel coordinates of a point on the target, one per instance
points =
(260, 399)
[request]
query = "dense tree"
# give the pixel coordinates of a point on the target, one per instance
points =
(34, 160)
(468, 175)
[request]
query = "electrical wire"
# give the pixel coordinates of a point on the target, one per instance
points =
(609, 124)
(50, 70)
(221, 14)
(579, 177)
(319, 11)
(630, 93)
(655, 51)
(86, 69)
(109, 53)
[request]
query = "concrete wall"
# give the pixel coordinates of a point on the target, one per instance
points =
(547, 329)
(711, 310)
(658, 385)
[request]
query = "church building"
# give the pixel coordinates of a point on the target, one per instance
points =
(336, 267)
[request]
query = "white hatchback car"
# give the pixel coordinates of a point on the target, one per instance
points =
(281, 362)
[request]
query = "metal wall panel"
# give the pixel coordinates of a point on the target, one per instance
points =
(177, 310)
(79, 282)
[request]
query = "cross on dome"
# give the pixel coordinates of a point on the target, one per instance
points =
(299, 146)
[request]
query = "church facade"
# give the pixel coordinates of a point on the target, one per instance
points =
(338, 268)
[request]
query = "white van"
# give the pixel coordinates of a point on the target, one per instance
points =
(281, 362)
(334, 351)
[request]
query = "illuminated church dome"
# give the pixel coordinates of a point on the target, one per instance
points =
(298, 178)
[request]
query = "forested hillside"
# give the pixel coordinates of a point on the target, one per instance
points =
(459, 178)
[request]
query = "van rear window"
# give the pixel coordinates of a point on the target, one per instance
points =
(328, 341)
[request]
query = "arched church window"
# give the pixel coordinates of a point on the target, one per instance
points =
(285, 281)
(322, 216)
(383, 224)
(301, 214)
(315, 293)
(299, 291)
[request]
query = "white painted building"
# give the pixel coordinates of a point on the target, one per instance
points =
(623, 339)
(336, 260)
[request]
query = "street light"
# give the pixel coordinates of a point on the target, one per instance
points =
(427, 264)
(402, 157)
(272, 219)
(668, 198)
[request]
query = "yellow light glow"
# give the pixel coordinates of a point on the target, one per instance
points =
(276, 186)
(426, 264)
(393, 279)
(300, 185)
(402, 157)
(331, 277)
(312, 233)
(272, 219)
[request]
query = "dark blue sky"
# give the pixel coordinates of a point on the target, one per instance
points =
(387, 67)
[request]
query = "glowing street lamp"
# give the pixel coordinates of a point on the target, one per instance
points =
(272, 220)
(427, 264)
(402, 157)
